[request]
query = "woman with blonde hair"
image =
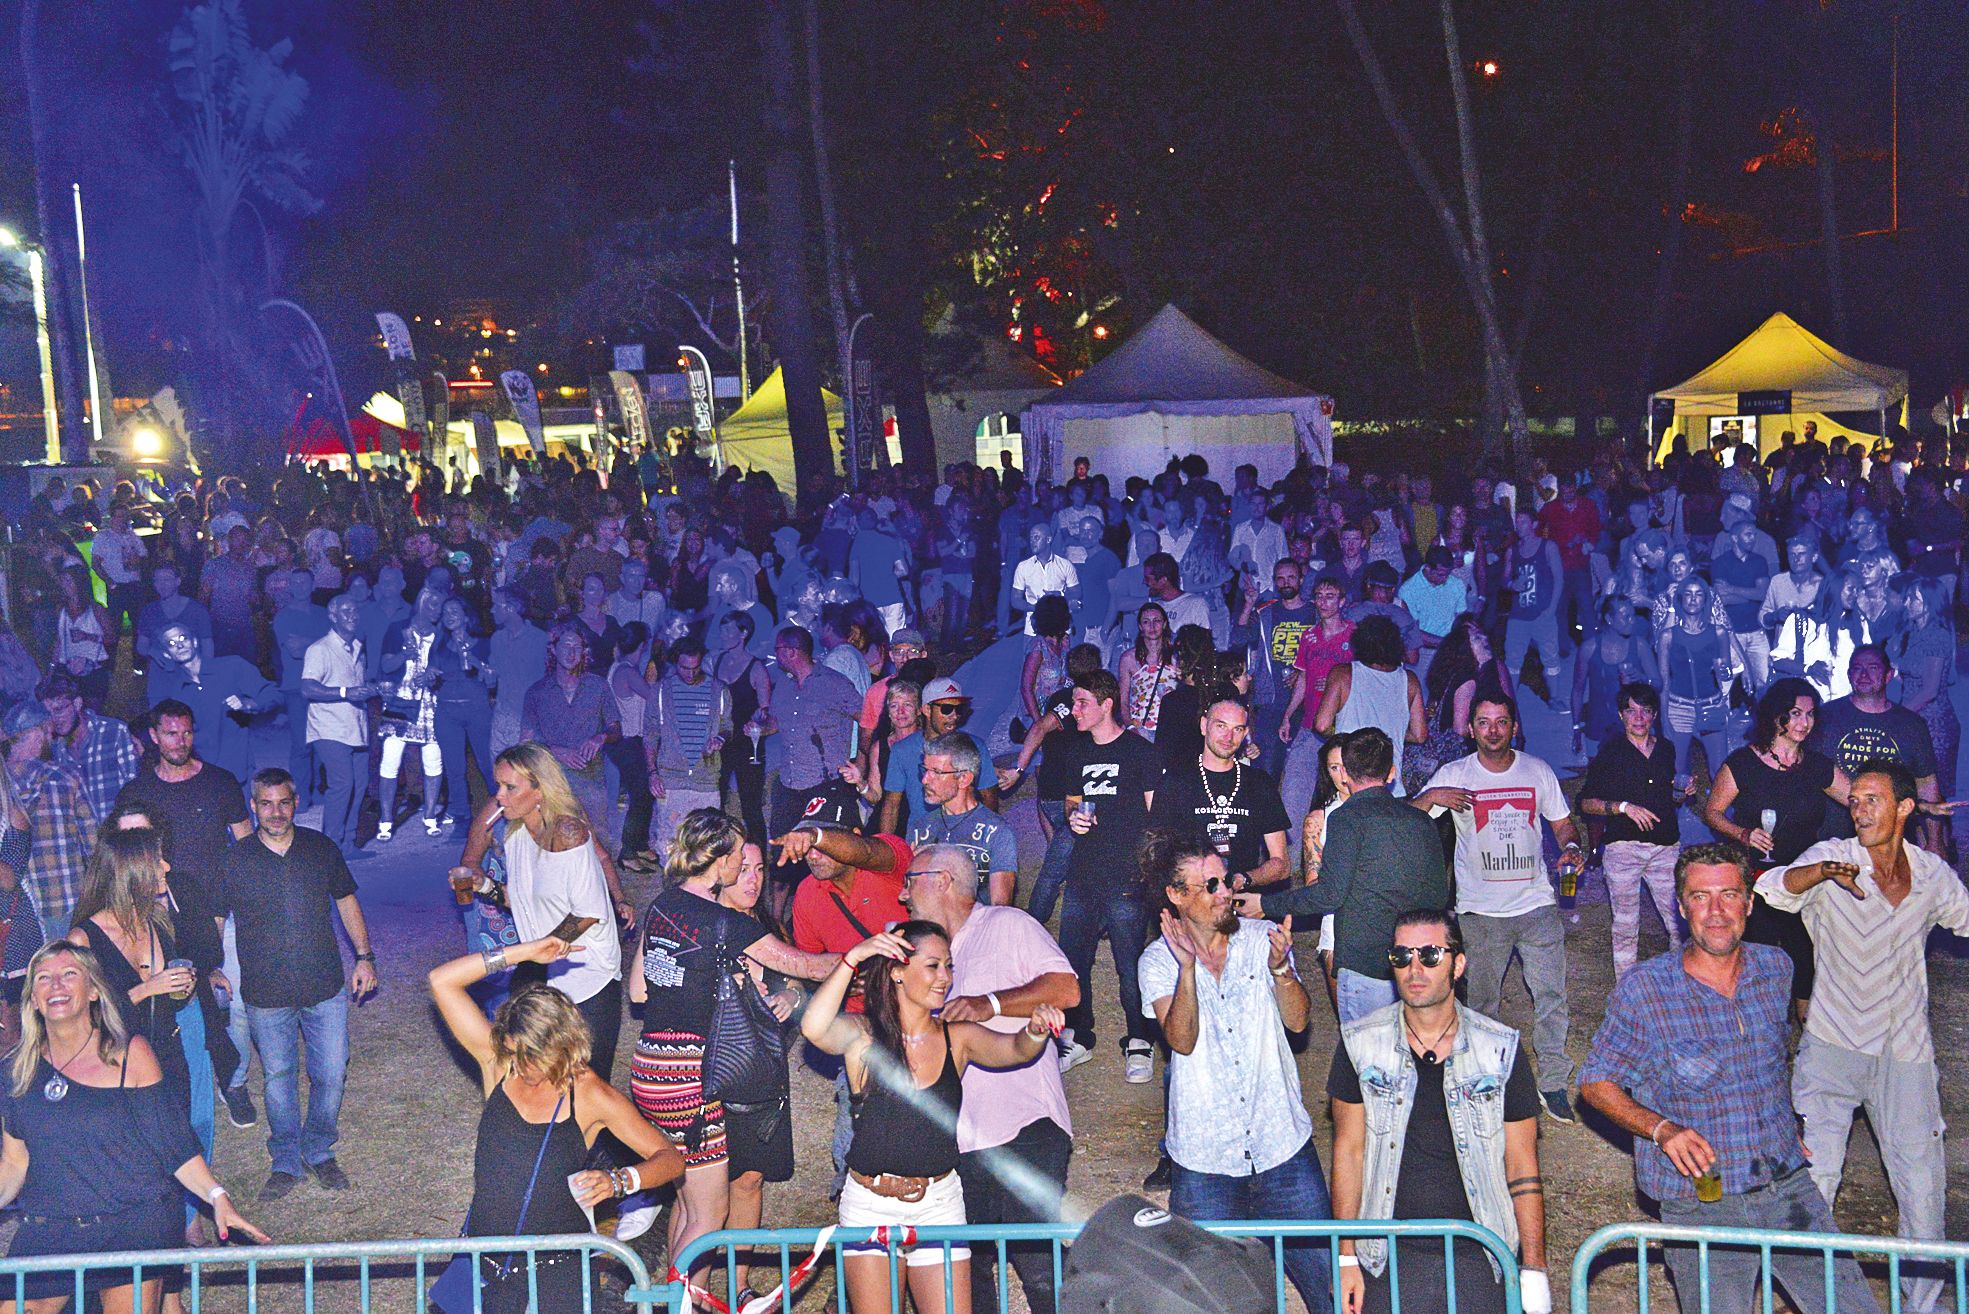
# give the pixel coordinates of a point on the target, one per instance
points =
(89, 1130)
(545, 1106)
(689, 939)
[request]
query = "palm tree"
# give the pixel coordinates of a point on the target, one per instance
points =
(237, 107)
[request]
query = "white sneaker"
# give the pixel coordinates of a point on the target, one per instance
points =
(1139, 1058)
(433, 827)
(632, 1223)
(384, 832)
(1072, 1053)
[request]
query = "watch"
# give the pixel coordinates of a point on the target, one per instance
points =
(366, 958)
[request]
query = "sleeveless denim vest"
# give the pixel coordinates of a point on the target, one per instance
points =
(1479, 1063)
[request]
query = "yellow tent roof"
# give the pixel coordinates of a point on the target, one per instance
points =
(1783, 355)
(756, 436)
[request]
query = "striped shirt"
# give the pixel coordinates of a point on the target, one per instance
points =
(683, 717)
(1871, 992)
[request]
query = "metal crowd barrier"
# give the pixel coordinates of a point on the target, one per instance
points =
(1950, 1256)
(784, 1249)
(260, 1279)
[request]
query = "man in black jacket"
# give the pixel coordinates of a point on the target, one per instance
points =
(1382, 858)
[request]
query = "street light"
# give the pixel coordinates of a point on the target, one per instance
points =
(37, 276)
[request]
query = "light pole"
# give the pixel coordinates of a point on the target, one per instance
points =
(37, 275)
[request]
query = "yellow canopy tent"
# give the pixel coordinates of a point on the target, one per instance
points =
(756, 436)
(1776, 379)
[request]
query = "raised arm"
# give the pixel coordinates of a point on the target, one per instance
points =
(467, 1022)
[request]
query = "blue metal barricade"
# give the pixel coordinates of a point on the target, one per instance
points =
(1940, 1258)
(784, 1249)
(300, 1274)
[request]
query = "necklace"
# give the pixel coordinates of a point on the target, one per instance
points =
(1429, 1050)
(1219, 807)
(56, 1088)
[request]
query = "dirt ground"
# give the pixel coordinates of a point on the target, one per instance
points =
(410, 1112)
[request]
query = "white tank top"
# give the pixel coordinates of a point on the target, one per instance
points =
(629, 707)
(1378, 699)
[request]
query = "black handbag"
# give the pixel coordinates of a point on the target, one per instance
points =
(744, 1052)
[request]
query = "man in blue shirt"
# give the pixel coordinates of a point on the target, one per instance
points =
(1693, 1060)
(954, 814)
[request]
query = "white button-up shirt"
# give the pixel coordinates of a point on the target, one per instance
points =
(1234, 1102)
(337, 664)
(1871, 992)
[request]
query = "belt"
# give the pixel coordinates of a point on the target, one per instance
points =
(894, 1186)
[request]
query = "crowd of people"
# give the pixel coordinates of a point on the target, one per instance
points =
(738, 768)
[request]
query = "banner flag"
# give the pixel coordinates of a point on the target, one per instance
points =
(526, 405)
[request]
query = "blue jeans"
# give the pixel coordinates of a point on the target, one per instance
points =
(1361, 995)
(1053, 869)
(1791, 1203)
(279, 1033)
(204, 1103)
(1293, 1191)
(347, 769)
(463, 723)
(236, 1027)
(1091, 912)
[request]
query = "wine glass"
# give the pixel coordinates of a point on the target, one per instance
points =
(1768, 821)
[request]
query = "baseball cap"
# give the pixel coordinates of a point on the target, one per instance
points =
(914, 638)
(944, 690)
(1738, 508)
(25, 715)
(835, 807)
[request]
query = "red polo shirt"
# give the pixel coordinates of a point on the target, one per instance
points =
(875, 898)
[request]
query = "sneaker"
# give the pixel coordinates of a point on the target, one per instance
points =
(433, 827)
(384, 832)
(330, 1175)
(635, 1220)
(1161, 1175)
(1557, 1107)
(1139, 1060)
(239, 1107)
(1072, 1053)
(279, 1186)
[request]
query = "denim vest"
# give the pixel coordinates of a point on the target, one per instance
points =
(1473, 1089)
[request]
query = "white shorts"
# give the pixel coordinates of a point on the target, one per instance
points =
(942, 1205)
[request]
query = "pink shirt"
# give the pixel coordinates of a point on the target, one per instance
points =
(1001, 948)
(1319, 653)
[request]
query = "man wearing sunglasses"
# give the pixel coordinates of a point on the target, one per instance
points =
(1426, 1072)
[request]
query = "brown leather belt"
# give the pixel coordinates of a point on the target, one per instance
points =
(893, 1186)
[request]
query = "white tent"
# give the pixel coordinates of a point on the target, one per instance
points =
(977, 412)
(1172, 390)
(1786, 374)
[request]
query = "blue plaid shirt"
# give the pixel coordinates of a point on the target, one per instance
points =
(1719, 1065)
(106, 759)
(62, 831)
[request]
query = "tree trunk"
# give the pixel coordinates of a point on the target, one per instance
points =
(1678, 196)
(841, 294)
(68, 388)
(903, 341)
(793, 329)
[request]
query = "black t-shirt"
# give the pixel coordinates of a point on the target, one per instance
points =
(680, 937)
(1619, 774)
(1852, 738)
(1179, 728)
(1237, 829)
(1798, 796)
(1430, 1181)
(195, 818)
(1113, 777)
(284, 907)
(1056, 758)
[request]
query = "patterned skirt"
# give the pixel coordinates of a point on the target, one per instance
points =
(666, 1077)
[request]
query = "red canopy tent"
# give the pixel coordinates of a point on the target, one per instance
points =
(313, 437)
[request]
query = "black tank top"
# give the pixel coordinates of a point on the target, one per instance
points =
(745, 699)
(155, 1018)
(503, 1161)
(894, 1135)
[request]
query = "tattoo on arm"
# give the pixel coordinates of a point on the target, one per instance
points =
(1526, 1186)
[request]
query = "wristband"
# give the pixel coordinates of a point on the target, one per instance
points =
(997, 1010)
(1348, 1261)
(368, 957)
(1657, 1132)
(494, 960)
(1621, 807)
(634, 1178)
(212, 1196)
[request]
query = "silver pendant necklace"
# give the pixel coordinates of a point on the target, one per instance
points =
(56, 1088)
(1220, 807)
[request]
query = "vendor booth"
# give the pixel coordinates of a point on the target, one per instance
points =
(1775, 380)
(757, 436)
(1172, 390)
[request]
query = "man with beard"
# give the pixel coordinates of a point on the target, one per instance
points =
(1271, 630)
(1239, 1134)
(1235, 808)
(1437, 1054)
(955, 815)
(95, 747)
(1504, 898)
(202, 812)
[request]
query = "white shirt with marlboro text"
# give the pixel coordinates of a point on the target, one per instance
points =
(1500, 845)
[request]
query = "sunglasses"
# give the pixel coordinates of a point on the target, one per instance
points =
(1209, 885)
(1432, 955)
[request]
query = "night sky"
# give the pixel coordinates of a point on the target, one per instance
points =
(483, 153)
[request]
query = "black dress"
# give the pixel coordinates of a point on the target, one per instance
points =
(1798, 797)
(502, 1163)
(99, 1175)
(155, 1018)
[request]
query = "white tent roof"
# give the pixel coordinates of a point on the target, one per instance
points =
(1171, 367)
(1782, 355)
